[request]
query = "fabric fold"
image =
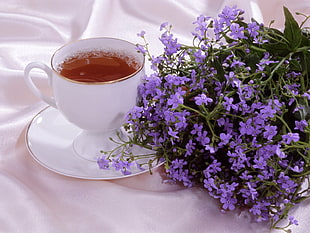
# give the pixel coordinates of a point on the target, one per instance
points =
(34, 199)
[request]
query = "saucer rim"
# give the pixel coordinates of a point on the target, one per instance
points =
(83, 177)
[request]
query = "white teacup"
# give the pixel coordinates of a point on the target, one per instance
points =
(97, 108)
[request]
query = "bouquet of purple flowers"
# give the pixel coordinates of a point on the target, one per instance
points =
(231, 113)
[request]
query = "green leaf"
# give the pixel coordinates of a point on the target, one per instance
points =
(279, 48)
(305, 39)
(292, 31)
(252, 60)
(305, 63)
(295, 65)
(277, 43)
(219, 68)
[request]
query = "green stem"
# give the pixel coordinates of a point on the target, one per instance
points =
(284, 123)
(193, 110)
(274, 70)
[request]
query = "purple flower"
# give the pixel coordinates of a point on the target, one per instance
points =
(228, 202)
(237, 32)
(270, 132)
(268, 112)
(307, 95)
(141, 49)
(175, 100)
(228, 15)
(141, 34)
(156, 61)
(140, 166)
(224, 139)
(293, 220)
(164, 26)
(122, 165)
(297, 169)
(293, 74)
(260, 163)
(171, 44)
(181, 119)
(228, 104)
(103, 163)
(175, 80)
(247, 127)
(117, 164)
(218, 28)
(178, 163)
(169, 116)
(259, 120)
(199, 56)
(245, 91)
(202, 99)
(299, 109)
(213, 168)
(279, 152)
(238, 163)
(292, 89)
(292, 100)
(202, 138)
(221, 120)
(178, 173)
(237, 63)
(226, 123)
(230, 76)
(253, 29)
(190, 147)
(252, 191)
(196, 128)
(265, 61)
(201, 26)
(246, 176)
(258, 209)
(150, 86)
(210, 148)
(209, 184)
(172, 133)
(288, 138)
(135, 113)
(227, 189)
(300, 125)
(286, 183)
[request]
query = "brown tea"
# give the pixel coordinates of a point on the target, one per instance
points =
(97, 66)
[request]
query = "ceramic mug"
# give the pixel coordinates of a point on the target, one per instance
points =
(98, 108)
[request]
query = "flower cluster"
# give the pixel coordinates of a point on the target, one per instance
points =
(231, 112)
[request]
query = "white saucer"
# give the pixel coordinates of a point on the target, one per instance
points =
(49, 138)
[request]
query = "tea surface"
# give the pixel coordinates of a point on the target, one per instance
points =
(97, 67)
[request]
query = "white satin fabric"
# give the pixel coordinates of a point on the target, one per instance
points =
(36, 200)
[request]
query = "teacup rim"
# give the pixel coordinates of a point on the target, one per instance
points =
(54, 69)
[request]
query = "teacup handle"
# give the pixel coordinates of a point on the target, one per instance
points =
(38, 65)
